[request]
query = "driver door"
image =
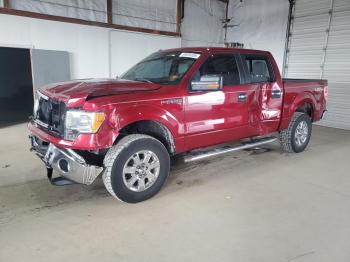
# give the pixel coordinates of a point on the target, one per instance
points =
(214, 117)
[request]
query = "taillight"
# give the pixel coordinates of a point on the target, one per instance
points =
(325, 92)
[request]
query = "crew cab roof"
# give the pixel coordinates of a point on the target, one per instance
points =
(216, 50)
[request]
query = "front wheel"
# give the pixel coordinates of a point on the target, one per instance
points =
(296, 137)
(136, 168)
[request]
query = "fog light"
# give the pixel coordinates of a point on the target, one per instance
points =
(63, 165)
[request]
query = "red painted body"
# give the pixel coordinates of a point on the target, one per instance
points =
(195, 119)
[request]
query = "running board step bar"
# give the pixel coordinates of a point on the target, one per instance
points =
(199, 155)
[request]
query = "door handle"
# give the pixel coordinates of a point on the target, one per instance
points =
(276, 93)
(242, 97)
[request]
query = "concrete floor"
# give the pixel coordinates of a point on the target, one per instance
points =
(247, 206)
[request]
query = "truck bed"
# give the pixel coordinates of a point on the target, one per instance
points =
(300, 91)
(301, 80)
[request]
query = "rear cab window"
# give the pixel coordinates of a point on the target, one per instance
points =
(258, 68)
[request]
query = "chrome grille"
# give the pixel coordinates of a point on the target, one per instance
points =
(49, 114)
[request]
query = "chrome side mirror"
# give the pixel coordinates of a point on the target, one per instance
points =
(207, 83)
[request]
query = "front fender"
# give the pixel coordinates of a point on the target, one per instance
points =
(137, 113)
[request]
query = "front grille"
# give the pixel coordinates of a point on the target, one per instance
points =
(50, 115)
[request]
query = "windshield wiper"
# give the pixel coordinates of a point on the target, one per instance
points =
(144, 80)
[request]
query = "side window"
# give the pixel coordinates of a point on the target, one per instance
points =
(259, 69)
(223, 65)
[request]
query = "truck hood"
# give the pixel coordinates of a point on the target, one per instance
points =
(75, 92)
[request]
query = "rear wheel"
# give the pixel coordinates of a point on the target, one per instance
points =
(296, 137)
(136, 168)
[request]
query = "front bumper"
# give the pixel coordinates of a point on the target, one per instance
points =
(103, 139)
(71, 167)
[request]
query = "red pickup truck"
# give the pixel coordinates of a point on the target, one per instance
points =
(174, 101)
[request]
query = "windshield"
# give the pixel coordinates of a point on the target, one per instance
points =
(162, 67)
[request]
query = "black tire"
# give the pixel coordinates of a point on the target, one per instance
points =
(287, 136)
(118, 155)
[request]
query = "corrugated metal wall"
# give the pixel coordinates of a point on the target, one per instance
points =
(319, 47)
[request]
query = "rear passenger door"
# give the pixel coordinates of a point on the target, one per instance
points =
(214, 117)
(266, 108)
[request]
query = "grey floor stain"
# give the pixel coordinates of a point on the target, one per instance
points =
(300, 256)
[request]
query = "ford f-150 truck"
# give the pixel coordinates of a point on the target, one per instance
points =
(172, 102)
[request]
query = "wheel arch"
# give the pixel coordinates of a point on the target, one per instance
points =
(306, 107)
(152, 128)
(304, 103)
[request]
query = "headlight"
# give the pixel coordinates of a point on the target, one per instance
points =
(37, 102)
(78, 121)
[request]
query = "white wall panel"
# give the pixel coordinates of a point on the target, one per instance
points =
(129, 48)
(202, 23)
(319, 47)
(88, 46)
(94, 10)
(259, 25)
(151, 14)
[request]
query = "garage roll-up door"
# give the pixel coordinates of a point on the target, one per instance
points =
(319, 47)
